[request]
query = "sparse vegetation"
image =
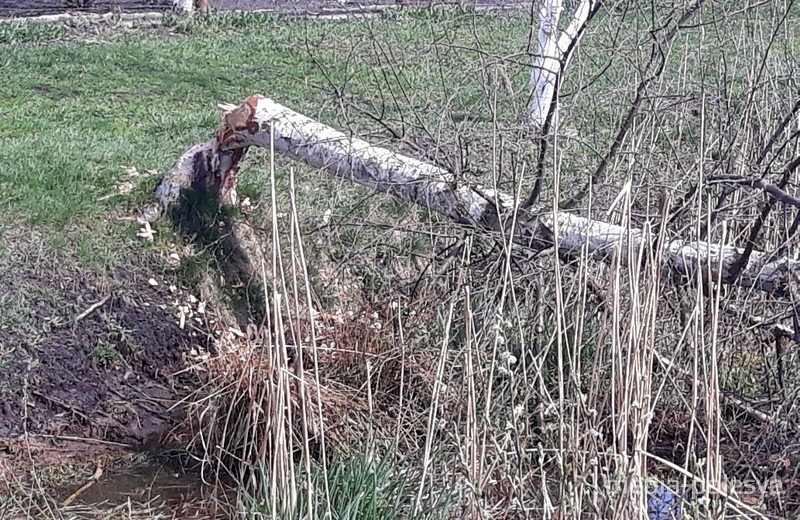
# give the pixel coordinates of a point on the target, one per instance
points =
(78, 4)
(383, 362)
(104, 353)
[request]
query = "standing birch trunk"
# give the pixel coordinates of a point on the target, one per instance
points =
(184, 6)
(554, 50)
(546, 64)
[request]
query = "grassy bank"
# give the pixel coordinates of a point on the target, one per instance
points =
(92, 115)
(444, 373)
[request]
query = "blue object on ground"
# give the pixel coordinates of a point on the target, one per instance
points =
(663, 504)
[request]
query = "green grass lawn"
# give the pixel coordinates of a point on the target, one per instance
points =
(79, 106)
(74, 116)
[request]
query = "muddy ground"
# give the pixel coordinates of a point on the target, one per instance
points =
(88, 358)
(11, 8)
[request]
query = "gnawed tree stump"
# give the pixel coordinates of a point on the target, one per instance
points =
(212, 168)
(189, 6)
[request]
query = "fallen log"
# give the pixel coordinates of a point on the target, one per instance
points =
(260, 121)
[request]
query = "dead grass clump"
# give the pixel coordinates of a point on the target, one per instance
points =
(266, 399)
(307, 390)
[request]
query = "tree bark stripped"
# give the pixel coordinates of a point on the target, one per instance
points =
(188, 6)
(262, 122)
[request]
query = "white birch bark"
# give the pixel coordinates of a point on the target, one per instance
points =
(184, 6)
(553, 54)
(574, 29)
(547, 63)
(263, 122)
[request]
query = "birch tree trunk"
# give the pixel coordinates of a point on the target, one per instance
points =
(262, 122)
(546, 64)
(184, 6)
(553, 53)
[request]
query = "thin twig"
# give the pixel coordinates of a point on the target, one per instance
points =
(727, 398)
(744, 258)
(84, 488)
(88, 440)
(770, 189)
(657, 55)
(62, 404)
(91, 309)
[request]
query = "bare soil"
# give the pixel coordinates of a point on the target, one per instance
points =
(109, 376)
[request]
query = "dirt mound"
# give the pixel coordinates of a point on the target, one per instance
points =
(84, 355)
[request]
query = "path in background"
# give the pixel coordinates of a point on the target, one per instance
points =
(13, 8)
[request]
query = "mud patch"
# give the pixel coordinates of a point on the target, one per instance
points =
(84, 356)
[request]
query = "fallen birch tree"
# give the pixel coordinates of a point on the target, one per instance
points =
(212, 167)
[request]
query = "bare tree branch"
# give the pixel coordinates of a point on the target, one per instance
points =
(568, 42)
(770, 189)
(744, 258)
(657, 59)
